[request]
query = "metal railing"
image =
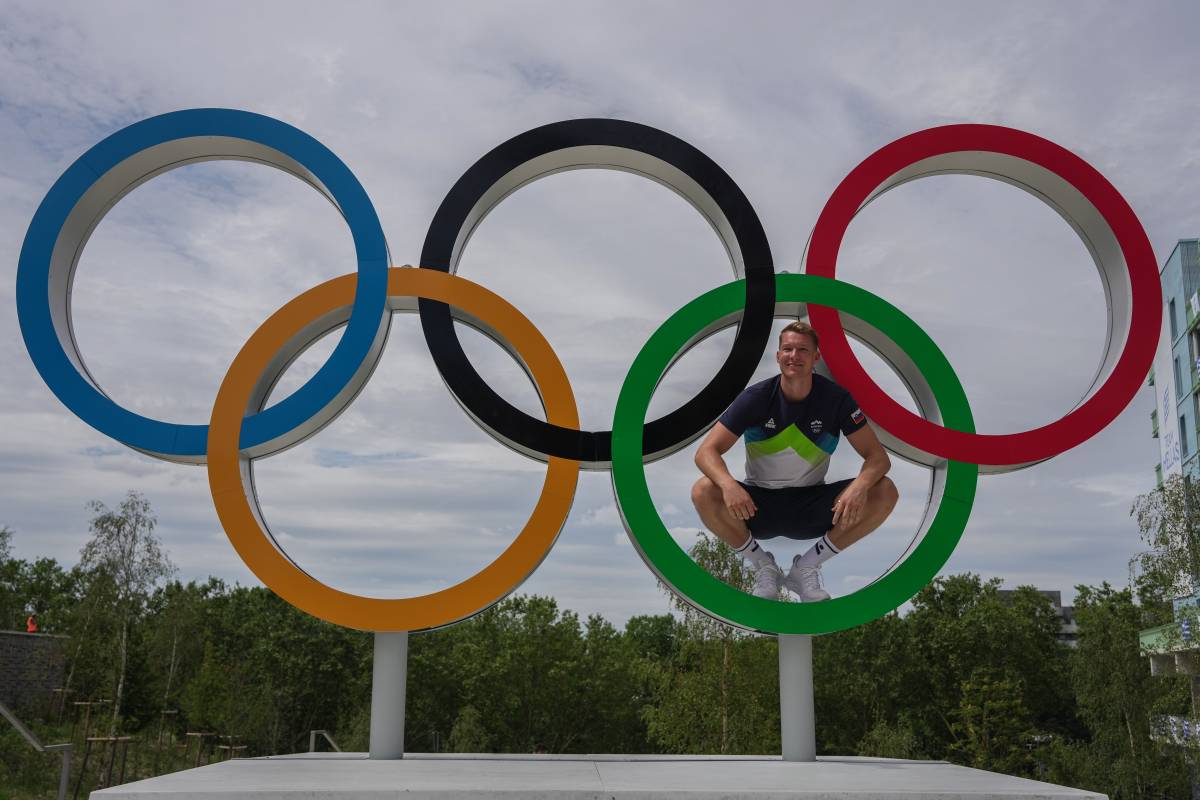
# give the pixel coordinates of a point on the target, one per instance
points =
(65, 749)
(312, 741)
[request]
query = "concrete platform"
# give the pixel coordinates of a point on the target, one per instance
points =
(351, 776)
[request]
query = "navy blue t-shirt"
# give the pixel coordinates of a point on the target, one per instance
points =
(789, 444)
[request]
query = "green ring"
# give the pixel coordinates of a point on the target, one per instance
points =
(666, 558)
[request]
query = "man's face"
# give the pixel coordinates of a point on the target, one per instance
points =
(796, 355)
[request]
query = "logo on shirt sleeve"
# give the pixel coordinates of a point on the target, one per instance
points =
(857, 417)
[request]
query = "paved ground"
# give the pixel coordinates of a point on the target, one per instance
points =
(350, 776)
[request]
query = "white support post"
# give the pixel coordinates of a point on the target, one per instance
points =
(389, 677)
(797, 718)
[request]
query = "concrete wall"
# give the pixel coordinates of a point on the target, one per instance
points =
(31, 667)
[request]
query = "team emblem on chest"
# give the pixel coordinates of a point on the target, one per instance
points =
(816, 425)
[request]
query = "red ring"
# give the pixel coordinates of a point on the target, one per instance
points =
(991, 449)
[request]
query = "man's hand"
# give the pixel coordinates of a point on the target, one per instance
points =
(738, 501)
(709, 460)
(848, 508)
(852, 502)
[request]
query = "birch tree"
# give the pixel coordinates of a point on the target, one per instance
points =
(1169, 521)
(125, 551)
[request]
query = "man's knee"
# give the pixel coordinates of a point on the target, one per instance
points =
(887, 494)
(705, 493)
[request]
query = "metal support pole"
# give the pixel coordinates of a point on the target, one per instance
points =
(112, 760)
(797, 719)
(389, 678)
(87, 751)
(64, 777)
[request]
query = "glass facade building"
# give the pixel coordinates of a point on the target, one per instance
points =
(1173, 649)
(1176, 372)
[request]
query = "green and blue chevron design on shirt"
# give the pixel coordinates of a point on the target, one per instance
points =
(761, 443)
(789, 457)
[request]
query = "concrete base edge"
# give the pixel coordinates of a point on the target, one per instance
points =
(352, 776)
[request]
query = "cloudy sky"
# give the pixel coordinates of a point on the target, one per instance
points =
(403, 494)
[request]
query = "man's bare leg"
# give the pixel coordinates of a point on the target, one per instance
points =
(804, 576)
(710, 505)
(881, 500)
(716, 516)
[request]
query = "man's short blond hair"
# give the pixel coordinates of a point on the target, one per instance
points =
(801, 328)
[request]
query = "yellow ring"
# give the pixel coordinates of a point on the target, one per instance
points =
(236, 505)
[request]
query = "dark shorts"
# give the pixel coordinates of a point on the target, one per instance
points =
(795, 512)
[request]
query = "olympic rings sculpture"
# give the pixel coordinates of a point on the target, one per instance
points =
(243, 427)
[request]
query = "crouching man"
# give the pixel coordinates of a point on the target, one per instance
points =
(792, 423)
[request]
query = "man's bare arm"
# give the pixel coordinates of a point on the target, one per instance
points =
(709, 458)
(850, 503)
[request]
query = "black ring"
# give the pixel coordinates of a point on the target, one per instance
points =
(615, 144)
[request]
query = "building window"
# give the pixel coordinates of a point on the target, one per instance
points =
(1178, 381)
(1183, 436)
(1174, 324)
(1194, 338)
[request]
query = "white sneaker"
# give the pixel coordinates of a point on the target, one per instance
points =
(805, 582)
(767, 578)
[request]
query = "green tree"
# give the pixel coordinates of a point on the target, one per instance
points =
(8, 573)
(1167, 521)
(887, 740)
(654, 637)
(175, 639)
(268, 673)
(443, 674)
(863, 677)
(537, 652)
(41, 587)
(534, 675)
(992, 725)
(718, 560)
(1115, 696)
(615, 692)
(958, 625)
(229, 697)
(128, 561)
(468, 735)
(719, 693)
(719, 696)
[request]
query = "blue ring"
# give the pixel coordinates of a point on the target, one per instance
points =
(190, 441)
